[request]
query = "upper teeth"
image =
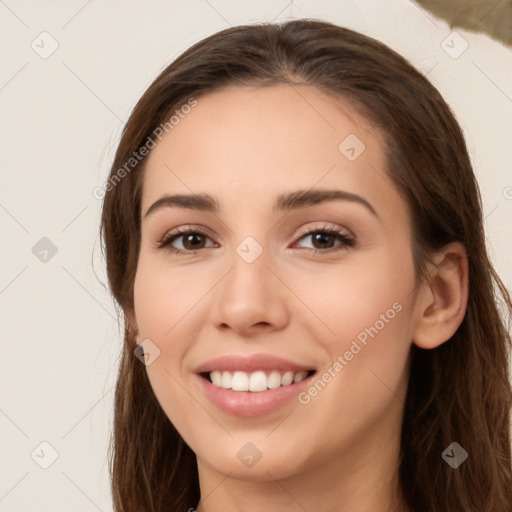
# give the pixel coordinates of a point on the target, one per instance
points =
(257, 381)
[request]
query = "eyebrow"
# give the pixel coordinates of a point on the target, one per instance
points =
(284, 203)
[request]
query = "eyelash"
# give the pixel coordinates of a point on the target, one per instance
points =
(347, 241)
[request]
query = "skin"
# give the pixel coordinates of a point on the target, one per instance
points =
(245, 146)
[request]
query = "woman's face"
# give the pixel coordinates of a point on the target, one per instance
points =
(265, 287)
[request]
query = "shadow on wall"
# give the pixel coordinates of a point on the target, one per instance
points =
(492, 17)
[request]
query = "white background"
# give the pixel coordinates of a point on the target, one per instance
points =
(60, 120)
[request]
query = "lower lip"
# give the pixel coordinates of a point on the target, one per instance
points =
(248, 403)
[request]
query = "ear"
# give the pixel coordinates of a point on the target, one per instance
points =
(443, 300)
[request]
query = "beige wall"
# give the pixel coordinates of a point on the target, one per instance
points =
(61, 117)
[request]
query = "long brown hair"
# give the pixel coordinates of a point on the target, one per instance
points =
(458, 392)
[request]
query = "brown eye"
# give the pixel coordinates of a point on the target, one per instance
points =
(323, 240)
(191, 240)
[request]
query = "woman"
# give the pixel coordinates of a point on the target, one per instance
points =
(259, 373)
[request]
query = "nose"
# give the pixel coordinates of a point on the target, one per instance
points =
(250, 298)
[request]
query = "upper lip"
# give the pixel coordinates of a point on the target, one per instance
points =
(251, 363)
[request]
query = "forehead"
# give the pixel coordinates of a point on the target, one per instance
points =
(258, 142)
(282, 119)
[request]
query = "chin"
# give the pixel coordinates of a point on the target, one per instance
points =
(258, 461)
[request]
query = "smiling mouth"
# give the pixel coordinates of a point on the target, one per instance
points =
(261, 380)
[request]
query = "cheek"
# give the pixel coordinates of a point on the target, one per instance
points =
(368, 311)
(373, 334)
(163, 297)
(347, 298)
(164, 301)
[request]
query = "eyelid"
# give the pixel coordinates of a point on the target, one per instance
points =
(183, 230)
(348, 239)
(324, 226)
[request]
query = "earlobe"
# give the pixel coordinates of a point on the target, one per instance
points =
(443, 301)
